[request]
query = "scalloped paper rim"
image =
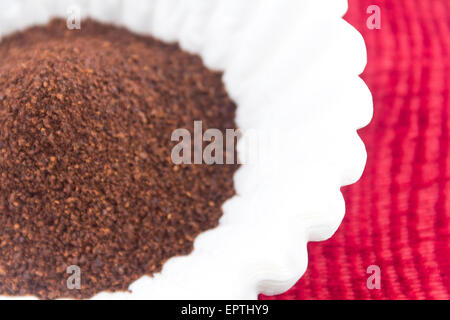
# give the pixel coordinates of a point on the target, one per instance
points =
(293, 69)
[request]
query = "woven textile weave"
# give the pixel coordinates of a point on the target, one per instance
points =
(398, 214)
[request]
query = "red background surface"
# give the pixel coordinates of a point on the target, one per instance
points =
(398, 214)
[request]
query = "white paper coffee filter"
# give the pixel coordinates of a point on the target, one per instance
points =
(292, 66)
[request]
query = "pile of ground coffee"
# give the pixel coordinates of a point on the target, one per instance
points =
(86, 176)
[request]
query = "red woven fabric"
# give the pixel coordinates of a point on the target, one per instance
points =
(398, 214)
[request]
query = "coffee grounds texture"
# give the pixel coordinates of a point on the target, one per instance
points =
(86, 176)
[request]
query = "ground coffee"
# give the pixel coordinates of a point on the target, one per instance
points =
(86, 177)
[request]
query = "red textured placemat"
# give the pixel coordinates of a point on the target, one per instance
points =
(398, 214)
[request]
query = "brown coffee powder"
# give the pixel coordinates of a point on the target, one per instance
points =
(86, 177)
